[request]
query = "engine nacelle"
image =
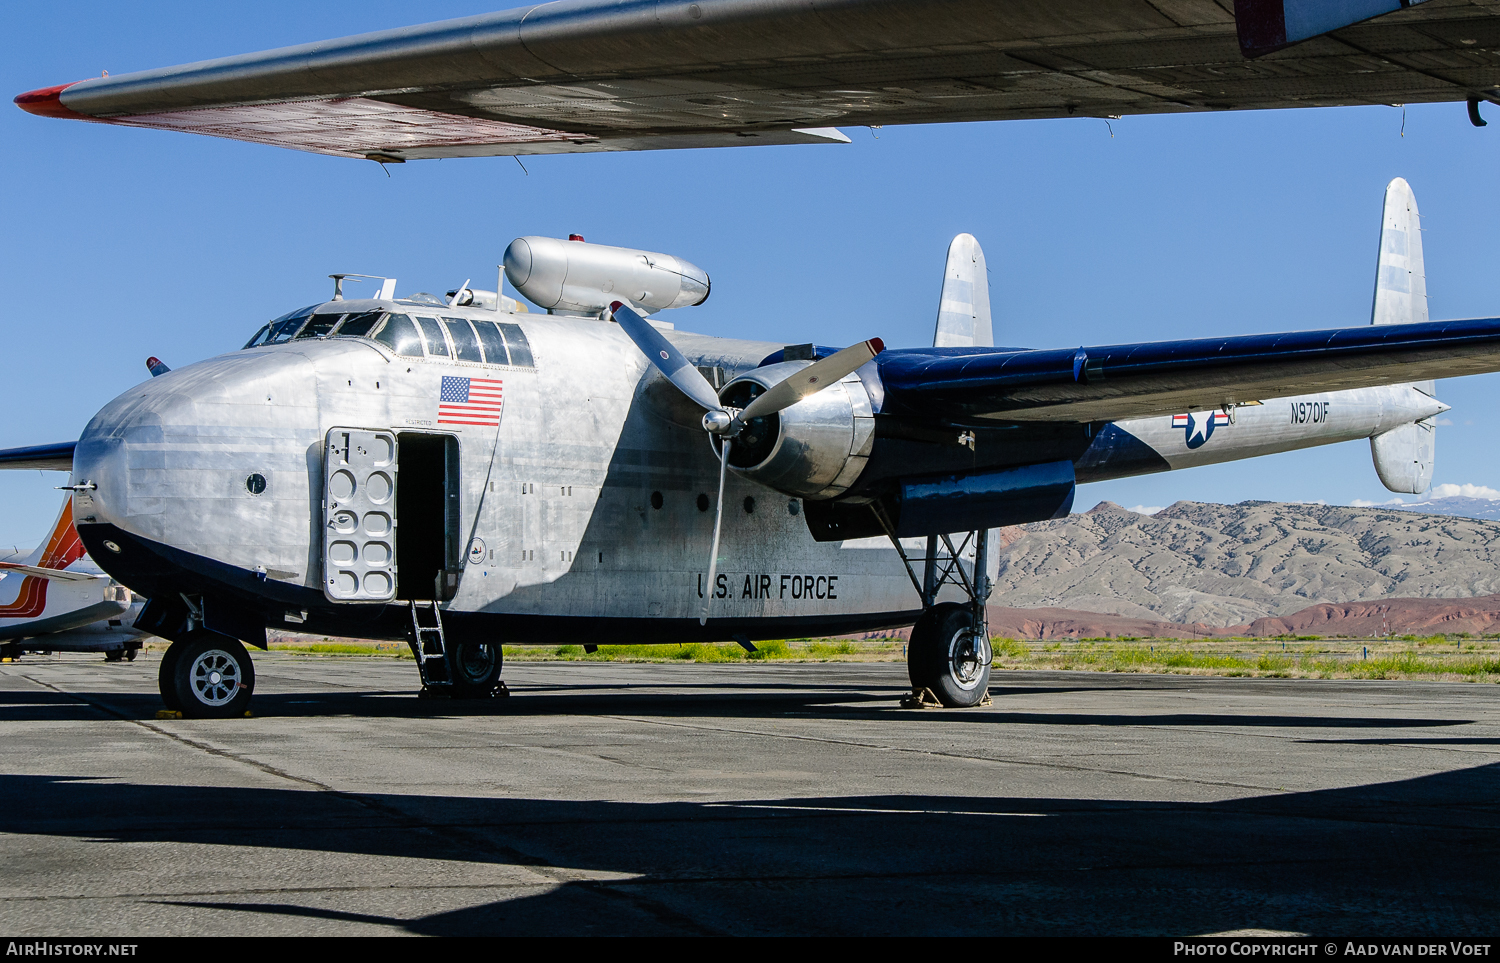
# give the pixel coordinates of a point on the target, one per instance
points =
(816, 448)
(573, 277)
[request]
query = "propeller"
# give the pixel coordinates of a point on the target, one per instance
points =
(726, 423)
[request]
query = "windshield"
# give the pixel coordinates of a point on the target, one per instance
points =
(280, 329)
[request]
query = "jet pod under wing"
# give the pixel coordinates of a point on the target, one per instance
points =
(1115, 382)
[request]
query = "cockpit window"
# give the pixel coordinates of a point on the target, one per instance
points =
(520, 348)
(260, 336)
(494, 345)
(319, 325)
(437, 345)
(359, 325)
(465, 345)
(284, 330)
(400, 335)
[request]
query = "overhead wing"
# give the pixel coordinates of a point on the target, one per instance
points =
(54, 574)
(1138, 380)
(58, 457)
(598, 75)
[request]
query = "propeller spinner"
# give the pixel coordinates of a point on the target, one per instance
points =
(726, 422)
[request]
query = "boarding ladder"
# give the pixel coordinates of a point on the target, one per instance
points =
(429, 645)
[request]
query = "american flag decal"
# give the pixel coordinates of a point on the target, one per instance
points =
(469, 401)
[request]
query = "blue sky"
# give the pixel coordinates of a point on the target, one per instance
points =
(122, 243)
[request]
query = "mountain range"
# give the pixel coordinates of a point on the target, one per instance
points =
(1222, 567)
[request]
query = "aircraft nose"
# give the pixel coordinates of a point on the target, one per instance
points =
(199, 466)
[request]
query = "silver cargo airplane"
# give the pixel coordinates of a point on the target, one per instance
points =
(603, 75)
(460, 473)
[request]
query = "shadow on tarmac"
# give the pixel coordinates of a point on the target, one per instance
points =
(1412, 856)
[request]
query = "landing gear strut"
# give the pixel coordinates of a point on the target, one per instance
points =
(949, 656)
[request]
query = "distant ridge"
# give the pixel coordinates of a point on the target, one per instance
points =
(1229, 565)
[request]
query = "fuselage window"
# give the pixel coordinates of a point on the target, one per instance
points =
(494, 345)
(400, 335)
(284, 330)
(465, 345)
(260, 336)
(359, 325)
(318, 326)
(432, 333)
(520, 348)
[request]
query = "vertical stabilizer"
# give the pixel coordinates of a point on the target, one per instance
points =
(1404, 456)
(964, 309)
(1400, 279)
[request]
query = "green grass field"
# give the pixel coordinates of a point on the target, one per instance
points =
(1408, 657)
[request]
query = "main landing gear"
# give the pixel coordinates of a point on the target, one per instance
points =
(948, 658)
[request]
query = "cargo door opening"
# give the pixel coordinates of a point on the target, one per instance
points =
(427, 510)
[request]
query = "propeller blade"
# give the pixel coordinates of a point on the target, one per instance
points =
(668, 360)
(713, 556)
(815, 377)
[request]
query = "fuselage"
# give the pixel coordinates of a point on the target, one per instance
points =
(557, 497)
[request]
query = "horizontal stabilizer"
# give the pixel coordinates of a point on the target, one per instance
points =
(55, 574)
(58, 457)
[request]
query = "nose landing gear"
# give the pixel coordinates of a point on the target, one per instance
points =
(205, 675)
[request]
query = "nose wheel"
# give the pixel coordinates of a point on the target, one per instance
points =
(207, 676)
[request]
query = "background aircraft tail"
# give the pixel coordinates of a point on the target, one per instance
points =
(1404, 456)
(61, 547)
(963, 319)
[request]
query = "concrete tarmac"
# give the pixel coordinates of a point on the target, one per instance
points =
(608, 798)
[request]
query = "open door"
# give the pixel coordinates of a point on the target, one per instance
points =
(359, 504)
(428, 504)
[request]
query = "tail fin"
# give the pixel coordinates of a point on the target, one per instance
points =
(964, 310)
(1404, 456)
(61, 547)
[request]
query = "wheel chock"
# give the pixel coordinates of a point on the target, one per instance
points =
(925, 699)
(922, 698)
(168, 714)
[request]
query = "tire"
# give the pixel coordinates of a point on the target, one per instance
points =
(114, 655)
(474, 667)
(164, 676)
(213, 677)
(947, 657)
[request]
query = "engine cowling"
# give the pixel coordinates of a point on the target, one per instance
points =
(573, 277)
(815, 449)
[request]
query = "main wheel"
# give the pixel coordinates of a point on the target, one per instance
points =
(213, 677)
(475, 668)
(947, 656)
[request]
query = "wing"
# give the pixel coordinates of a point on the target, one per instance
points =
(57, 457)
(598, 75)
(1164, 377)
(54, 574)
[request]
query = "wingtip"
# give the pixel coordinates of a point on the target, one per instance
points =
(47, 102)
